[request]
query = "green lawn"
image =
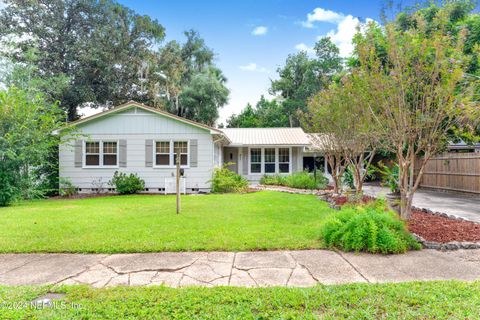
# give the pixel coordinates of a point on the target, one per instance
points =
(414, 300)
(144, 223)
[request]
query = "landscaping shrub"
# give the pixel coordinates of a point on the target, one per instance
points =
(127, 184)
(225, 180)
(273, 180)
(67, 188)
(368, 228)
(298, 180)
(9, 189)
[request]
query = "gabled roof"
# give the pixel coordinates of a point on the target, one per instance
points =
(266, 136)
(130, 104)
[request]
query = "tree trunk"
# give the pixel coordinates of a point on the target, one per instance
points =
(335, 183)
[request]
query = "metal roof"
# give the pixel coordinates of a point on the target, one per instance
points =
(266, 136)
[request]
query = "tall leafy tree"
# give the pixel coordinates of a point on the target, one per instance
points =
(27, 124)
(303, 76)
(418, 92)
(99, 45)
(266, 114)
(204, 95)
(189, 83)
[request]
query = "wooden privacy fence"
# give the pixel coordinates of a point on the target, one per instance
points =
(454, 172)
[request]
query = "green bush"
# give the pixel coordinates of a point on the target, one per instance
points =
(298, 180)
(273, 180)
(9, 186)
(368, 228)
(127, 184)
(225, 180)
(66, 188)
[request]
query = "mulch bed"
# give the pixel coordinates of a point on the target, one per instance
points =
(432, 227)
(341, 200)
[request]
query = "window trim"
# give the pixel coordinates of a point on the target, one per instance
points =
(100, 154)
(262, 159)
(172, 165)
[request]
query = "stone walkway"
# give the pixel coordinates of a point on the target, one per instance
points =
(463, 206)
(250, 269)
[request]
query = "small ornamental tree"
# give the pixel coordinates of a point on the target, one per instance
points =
(325, 116)
(417, 91)
(346, 133)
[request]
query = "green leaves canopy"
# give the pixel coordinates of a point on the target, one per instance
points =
(98, 45)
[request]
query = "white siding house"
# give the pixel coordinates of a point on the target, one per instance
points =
(134, 138)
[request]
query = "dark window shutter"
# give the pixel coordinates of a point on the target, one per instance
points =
(122, 149)
(245, 161)
(148, 153)
(194, 153)
(78, 149)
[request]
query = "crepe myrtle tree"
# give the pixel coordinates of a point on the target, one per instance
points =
(417, 92)
(346, 134)
(325, 116)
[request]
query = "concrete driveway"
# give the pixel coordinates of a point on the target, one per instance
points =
(249, 269)
(464, 206)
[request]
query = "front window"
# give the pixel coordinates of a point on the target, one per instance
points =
(162, 153)
(109, 153)
(269, 160)
(284, 160)
(92, 153)
(269, 165)
(182, 148)
(256, 160)
(101, 153)
(166, 153)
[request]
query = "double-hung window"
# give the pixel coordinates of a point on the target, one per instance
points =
(256, 160)
(110, 153)
(283, 160)
(182, 148)
(269, 163)
(92, 153)
(162, 153)
(101, 154)
(166, 153)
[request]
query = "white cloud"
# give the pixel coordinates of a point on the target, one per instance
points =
(322, 15)
(303, 47)
(260, 31)
(253, 67)
(341, 36)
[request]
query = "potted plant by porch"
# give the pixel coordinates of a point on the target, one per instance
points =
(390, 180)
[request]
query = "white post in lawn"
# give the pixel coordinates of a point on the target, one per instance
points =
(177, 184)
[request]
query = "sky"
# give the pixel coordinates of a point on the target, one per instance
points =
(252, 38)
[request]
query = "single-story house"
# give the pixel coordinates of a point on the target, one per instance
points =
(135, 138)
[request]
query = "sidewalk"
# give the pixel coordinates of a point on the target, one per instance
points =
(464, 206)
(250, 269)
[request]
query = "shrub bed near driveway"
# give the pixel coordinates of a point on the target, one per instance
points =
(369, 228)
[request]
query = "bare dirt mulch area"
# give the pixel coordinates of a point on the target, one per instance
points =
(432, 227)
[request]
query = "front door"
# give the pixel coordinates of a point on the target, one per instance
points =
(230, 155)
